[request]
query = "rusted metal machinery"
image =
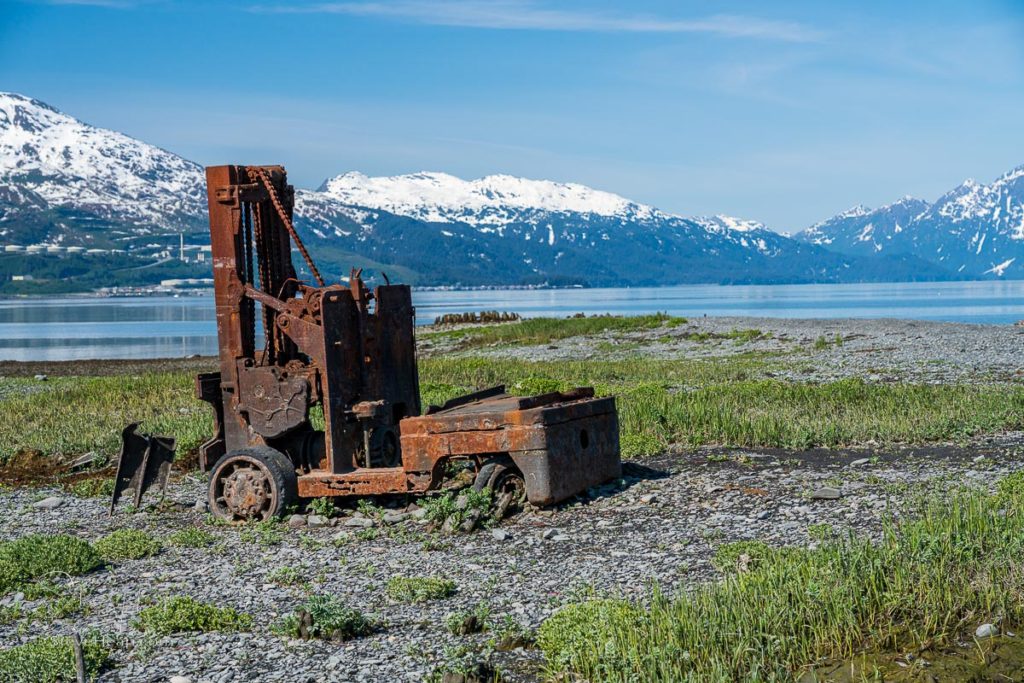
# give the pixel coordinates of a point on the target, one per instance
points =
(325, 400)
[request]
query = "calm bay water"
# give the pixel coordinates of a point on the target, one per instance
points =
(149, 327)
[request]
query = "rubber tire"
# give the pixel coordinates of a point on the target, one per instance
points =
(494, 468)
(282, 475)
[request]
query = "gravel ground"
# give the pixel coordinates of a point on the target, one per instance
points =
(661, 523)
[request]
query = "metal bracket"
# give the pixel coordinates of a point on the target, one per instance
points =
(144, 460)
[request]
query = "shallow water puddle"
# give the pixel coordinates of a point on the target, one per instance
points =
(998, 659)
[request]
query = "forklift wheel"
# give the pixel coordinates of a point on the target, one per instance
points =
(508, 488)
(255, 483)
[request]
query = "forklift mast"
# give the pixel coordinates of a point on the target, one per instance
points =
(287, 348)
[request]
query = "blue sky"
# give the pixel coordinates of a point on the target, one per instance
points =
(784, 112)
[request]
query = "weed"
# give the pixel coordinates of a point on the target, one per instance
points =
(419, 588)
(50, 660)
(265, 534)
(39, 555)
(182, 614)
(741, 556)
(464, 663)
(127, 544)
(367, 534)
(92, 488)
(454, 509)
(509, 634)
(322, 506)
(192, 537)
(325, 617)
(466, 622)
(285, 576)
(52, 610)
(949, 564)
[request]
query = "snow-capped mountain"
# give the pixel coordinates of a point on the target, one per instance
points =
(65, 182)
(975, 230)
(492, 200)
(864, 230)
(88, 177)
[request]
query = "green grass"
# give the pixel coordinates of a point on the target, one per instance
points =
(419, 588)
(127, 544)
(102, 487)
(192, 537)
(445, 506)
(727, 402)
(50, 611)
(39, 555)
(731, 403)
(954, 563)
(49, 660)
(183, 614)
(546, 330)
(69, 416)
(325, 617)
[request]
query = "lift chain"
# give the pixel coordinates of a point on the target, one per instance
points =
(261, 173)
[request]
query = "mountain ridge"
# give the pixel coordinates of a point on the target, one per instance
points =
(65, 182)
(973, 229)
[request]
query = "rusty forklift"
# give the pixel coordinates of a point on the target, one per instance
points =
(318, 390)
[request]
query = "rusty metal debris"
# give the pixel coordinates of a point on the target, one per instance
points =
(481, 317)
(144, 462)
(343, 356)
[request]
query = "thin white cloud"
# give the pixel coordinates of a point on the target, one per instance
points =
(113, 4)
(526, 15)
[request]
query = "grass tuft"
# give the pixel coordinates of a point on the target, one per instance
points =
(127, 544)
(325, 617)
(192, 537)
(102, 487)
(51, 660)
(419, 588)
(37, 556)
(182, 614)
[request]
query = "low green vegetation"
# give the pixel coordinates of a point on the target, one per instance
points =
(192, 537)
(51, 660)
(419, 588)
(458, 508)
(286, 576)
(68, 416)
(732, 402)
(265, 534)
(38, 555)
(182, 614)
(127, 544)
(51, 610)
(100, 487)
(546, 330)
(325, 617)
(952, 564)
(737, 401)
(466, 622)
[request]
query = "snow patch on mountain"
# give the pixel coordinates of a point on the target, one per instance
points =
(492, 200)
(69, 163)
